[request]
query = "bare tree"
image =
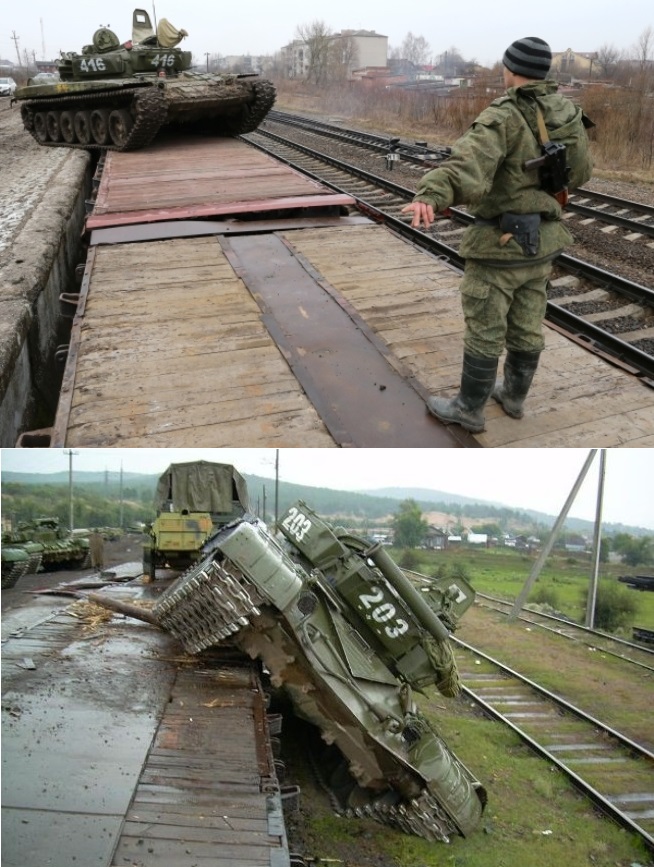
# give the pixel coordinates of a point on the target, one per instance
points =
(343, 57)
(318, 38)
(644, 47)
(607, 59)
(416, 49)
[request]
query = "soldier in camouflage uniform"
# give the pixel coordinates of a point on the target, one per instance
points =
(516, 234)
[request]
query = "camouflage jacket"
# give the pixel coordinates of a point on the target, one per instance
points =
(485, 172)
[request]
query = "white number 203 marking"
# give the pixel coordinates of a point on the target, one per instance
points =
(384, 612)
(297, 523)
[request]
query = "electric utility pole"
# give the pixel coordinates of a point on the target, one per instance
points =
(70, 454)
(540, 562)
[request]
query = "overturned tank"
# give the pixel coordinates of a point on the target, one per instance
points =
(118, 96)
(41, 545)
(342, 629)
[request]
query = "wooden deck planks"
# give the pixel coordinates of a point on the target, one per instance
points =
(167, 356)
(177, 354)
(412, 302)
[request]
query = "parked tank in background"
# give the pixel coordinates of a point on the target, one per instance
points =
(41, 545)
(349, 637)
(118, 96)
(192, 499)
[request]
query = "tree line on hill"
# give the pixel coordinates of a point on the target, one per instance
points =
(105, 502)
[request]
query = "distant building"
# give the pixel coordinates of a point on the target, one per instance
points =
(478, 539)
(576, 64)
(435, 539)
(371, 49)
(360, 49)
(576, 544)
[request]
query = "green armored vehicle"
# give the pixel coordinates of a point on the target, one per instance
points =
(349, 637)
(41, 545)
(192, 499)
(117, 96)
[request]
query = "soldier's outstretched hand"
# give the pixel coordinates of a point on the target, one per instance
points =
(422, 213)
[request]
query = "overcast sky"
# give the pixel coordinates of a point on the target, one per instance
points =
(538, 479)
(479, 29)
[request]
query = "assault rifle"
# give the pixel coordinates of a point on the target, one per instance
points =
(553, 170)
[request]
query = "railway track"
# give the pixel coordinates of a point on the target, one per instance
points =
(635, 217)
(611, 769)
(605, 312)
(614, 646)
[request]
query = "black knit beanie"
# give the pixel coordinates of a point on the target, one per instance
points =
(530, 57)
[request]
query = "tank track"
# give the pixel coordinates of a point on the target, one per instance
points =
(148, 104)
(34, 564)
(11, 576)
(208, 604)
(264, 99)
(420, 817)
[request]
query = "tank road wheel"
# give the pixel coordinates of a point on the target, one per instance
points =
(82, 126)
(53, 125)
(120, 126)
(40, 126)
(67, 127)
(100, 126)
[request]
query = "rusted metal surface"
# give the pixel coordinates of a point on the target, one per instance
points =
(364, 399)
(197, 228)
(201, 178)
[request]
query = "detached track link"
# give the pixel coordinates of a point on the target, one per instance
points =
(149, 107)
(569, 738)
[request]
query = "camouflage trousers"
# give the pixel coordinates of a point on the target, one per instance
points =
(504, 307)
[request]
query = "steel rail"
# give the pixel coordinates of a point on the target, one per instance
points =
(600, 800)
(635, 291)
(598, 633)
(571, 624)
(422, 154)
(614, 200)
(417, 153)
(593, 336)
(614, 219)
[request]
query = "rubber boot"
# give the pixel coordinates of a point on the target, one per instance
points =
(519, 369)
(467, 408)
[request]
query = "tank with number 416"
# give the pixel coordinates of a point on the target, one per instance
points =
(118, 96)
(349, 637)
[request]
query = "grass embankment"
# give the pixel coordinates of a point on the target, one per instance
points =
(534, 816)
(502, 572)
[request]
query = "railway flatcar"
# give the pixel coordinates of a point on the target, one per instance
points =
(228, 298)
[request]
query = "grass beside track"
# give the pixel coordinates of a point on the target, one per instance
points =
(502, 572)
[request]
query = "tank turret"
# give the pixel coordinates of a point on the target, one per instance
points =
(118, 96)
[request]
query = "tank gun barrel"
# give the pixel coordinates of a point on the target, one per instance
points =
(400, 583)
(126, 608)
